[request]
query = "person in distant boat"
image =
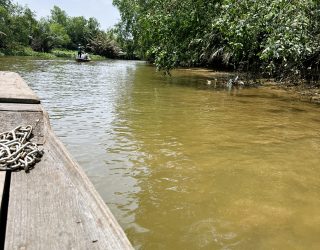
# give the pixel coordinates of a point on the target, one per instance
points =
(79, 51)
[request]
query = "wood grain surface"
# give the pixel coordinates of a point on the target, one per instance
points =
(54, 206)
(14, 89)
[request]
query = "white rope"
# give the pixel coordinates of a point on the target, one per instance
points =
(15, 150)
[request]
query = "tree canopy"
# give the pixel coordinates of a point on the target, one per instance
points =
(270, 36)
(19, 27)
(274, 37)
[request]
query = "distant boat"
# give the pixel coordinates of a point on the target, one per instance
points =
(83, 58)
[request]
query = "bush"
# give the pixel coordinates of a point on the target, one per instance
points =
(64, 53)
(104, 46)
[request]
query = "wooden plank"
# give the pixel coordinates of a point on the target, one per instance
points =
(15, 90)
(50, 208)
(12, 119)
(19, 107)
(55, 206)
(31, 115)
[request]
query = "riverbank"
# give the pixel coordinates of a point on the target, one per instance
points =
(303, 92)
(55, 53)
(219, 79)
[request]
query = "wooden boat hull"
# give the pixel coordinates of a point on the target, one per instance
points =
(82, 60)
(55, 206)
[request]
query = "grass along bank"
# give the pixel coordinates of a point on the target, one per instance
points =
(55, 53)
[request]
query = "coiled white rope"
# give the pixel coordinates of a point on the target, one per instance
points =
(16, 152)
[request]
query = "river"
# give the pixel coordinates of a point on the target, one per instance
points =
(182, 166)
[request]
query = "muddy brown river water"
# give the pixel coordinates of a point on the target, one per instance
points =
(182, 166)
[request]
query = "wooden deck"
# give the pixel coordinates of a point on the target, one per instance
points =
(54, 206)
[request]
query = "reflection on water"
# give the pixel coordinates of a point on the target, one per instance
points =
(183, 167)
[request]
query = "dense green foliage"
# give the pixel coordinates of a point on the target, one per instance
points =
(275, 37)
(19, 29)
(279, 38)
(103, 45)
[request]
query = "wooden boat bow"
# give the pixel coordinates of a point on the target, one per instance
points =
(55, 206)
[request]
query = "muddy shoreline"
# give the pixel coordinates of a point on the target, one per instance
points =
(302, 91)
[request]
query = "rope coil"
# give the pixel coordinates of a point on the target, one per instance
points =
(15, 150)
